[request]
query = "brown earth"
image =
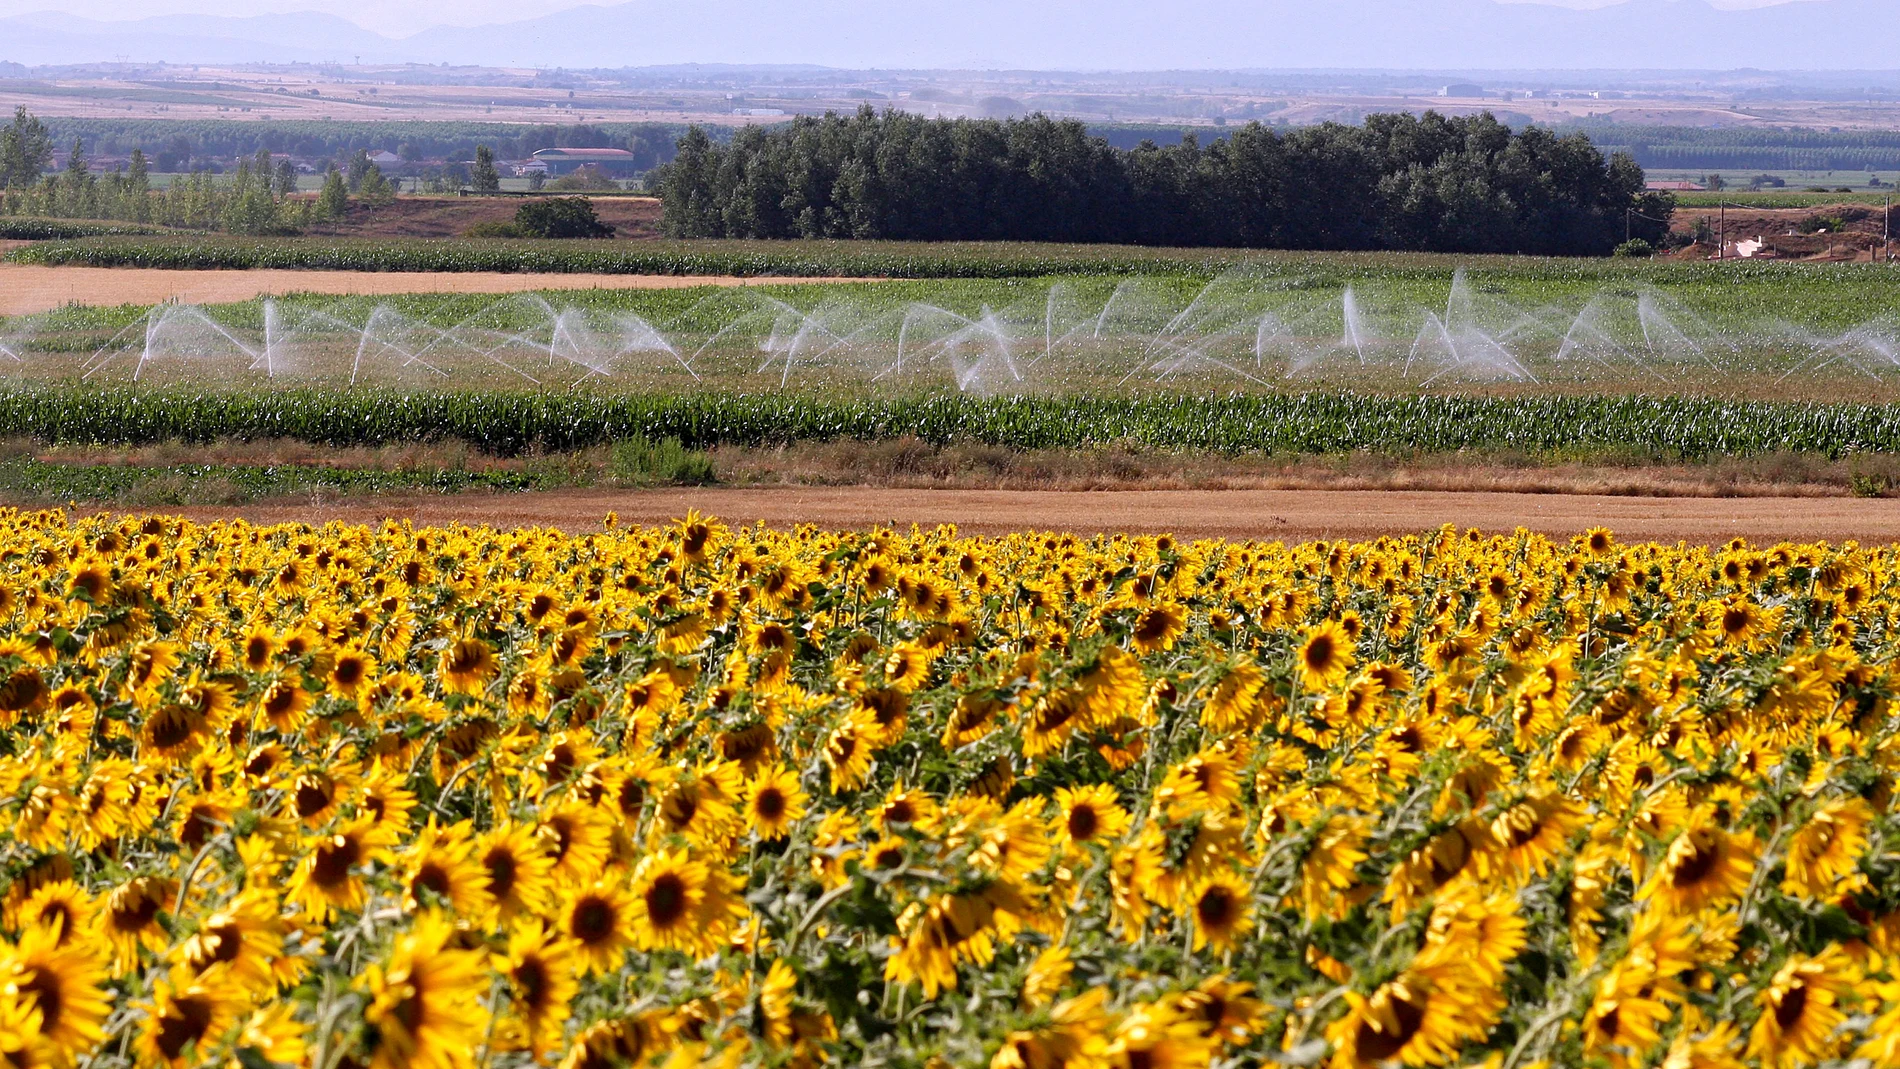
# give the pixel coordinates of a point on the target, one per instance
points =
(633, 218)
(1776, 228)
(30, 288)
(1274, 514)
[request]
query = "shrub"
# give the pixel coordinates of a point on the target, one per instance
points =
(1635, 247)
(561, 217)
(644, 462)
(494, 229)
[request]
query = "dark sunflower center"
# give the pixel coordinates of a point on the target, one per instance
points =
(593, 920)
(170, 727)
(334, 861)
(48, 997)
(770, 804)
(1696, 865)
(431, 877)
(531, 977)
(311, 800)
(1083, 822)
(1216, 908)
(666, 900)
(501, 871)
(1376, 1045)
(226, 941)
(1319, 653)
(184, 1024)
(1792, 1005)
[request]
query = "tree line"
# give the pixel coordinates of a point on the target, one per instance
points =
(183, 145)
(258, 197)
(1429, 183)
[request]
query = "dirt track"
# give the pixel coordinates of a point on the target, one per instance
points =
(1276, 514)
(29, 288)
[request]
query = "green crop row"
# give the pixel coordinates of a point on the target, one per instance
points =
(34, 229)
(1329, 422)
(871, 259)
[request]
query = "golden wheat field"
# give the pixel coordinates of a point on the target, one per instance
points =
(361, 798)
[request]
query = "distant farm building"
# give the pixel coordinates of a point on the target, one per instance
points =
(1672, 187)
(1461, 90)
(613, 162)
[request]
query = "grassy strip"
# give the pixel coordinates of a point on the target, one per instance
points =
(32, 229)
(1329, 422)
(633, 463)
(26, 479)
(1780, 198)
(849, 259)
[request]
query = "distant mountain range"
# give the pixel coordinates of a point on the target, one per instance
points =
(1043, 34)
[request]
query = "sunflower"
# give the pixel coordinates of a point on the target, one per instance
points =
(599, 922)
(1801, 1008)
(577, 841)
(848, 751)
(327, 879)
(1325, 656)
(467, 665)
(425, 1005)
(1530, 834)
(129, 920)
(438, 871)
(1826, 849)
(52, 998)
(774, 1004)
(187, 1017)
(1158, 628)
(1074, 1035)
(1412, 1018)
(1088, 815)
(246, 937)
(61, 908)
(519, 872)
(1224, 1010)
(774, 803)
(1705, 865)
(1048, 974)
(352, 673)
(1158, 1036)
(678, 904)
(1222, 912)
(285, 704)
(542, 982)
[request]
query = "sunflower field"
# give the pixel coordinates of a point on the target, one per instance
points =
(358, 798)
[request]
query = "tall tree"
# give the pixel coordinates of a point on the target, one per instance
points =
(485, 178)
(26, 149)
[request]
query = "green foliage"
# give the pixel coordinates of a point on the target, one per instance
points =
(1312, 423)
(584, 179)
(560, 217)
(61, 229)
(374, 188)
(493, 229)
(1400, 181)
(334, 199)
(26, 148)
(23, 479)
(1635, 247)
(484, 178)
(665, 462)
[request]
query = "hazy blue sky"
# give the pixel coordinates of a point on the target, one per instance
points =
(408, 16)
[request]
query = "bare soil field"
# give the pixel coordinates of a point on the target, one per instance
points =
(1274, 514)
(29, 288)
(633, 218)
(1776, 227)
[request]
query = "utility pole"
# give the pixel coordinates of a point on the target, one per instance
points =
(1886, 229)
(1721, 230)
